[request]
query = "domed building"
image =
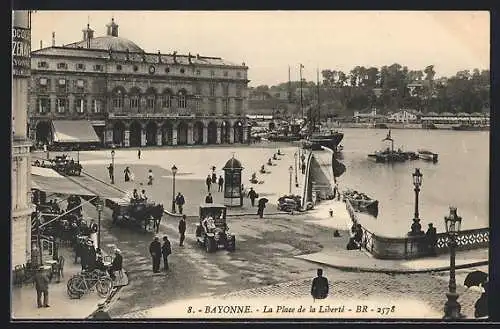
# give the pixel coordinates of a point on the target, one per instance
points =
(131, 98)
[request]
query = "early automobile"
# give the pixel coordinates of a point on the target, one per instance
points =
(138, 212)
(212, 231)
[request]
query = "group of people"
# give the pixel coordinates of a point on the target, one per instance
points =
(212, 179)
(157, 250)
(136, 197)
(356, 239)
(92, 258)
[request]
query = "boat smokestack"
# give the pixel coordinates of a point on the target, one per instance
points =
(53, 39)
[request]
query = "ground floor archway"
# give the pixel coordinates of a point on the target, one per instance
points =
(151, 129)
(198, 132)
(135, 134)
(119, 133)
(238, 132)
(212, 133)
(224, 132)
(166, 134)
(43, 132)
(182, 134)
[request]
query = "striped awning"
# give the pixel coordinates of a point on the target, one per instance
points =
(76, 131)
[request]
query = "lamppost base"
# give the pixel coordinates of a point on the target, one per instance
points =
(452, 308)
(173, 207)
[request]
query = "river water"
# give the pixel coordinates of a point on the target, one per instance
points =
(460, 178)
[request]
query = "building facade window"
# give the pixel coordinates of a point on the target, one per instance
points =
(150, 102)
(80, 85)
(134, 102)
(118, 67)
(62, 66)
(238, 74)
(212, 73)
(43, 65)
(181, 100)
(98, 68)
(135, 68)
(61, 85)
(43, 104)
(118, 101)
(225, 106)
(62, 104)
(80, 67)
(197, 104)
(198, 72)
(238, 90)
(166, 101)
(225, 90)
(182, 70)
(80, 105)
(226, 73)
(212, 89)
(96, 106)
(167, 70)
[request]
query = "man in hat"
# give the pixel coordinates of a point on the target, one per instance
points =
(208, 181)
(116, 265)
(111, 171)
(93, 231)
(42, 287)
(180, 201)
(431, 237)
(252, 195)
(92, 255)
(182, 229)
(209, 199)
(166, 250)
(319, 288)
(155, 251)
(221, 183)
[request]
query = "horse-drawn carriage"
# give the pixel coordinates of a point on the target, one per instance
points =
(139, 212)
(289, 203)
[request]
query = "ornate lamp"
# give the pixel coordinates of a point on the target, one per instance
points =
(174, 171)
(452, 307)
(416, 228)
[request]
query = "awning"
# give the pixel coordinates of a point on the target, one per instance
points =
(77, 131)
(48, 180)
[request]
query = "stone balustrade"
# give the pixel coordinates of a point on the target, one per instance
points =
(410, 247)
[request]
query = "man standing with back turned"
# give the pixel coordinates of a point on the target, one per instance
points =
(319, 289)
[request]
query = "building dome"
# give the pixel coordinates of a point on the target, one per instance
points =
(232, 163)
(108, 42)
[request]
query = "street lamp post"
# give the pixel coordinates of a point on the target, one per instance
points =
(290, 170)
(416, 228)
(296, 155)
(452, 307)
(113, 165)
(78, 153)
(99, 207)
(174, 171)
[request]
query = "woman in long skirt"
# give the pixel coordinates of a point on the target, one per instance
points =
(127, 174)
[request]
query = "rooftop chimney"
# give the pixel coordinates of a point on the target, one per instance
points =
(112, 28)
(53, 39)
(88, 34)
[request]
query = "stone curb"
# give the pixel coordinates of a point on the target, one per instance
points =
(397, 271)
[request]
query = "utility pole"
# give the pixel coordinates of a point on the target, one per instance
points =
(300, 76)
(319, 105)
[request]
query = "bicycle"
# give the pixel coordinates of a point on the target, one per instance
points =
(85, 282)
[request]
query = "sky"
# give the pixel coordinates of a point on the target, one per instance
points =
(268, 42)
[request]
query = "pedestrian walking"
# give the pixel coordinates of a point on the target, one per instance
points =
(111, 172)
(221, 184)
(252, 195)
(209, 199)
(93, 231)
(143, 196)
(179, 201)
(127, 174)
(208, 181)
(150, 177)
(260, 207)
(139, 154)
(182, 229)
(155, 251)
(214, 178)
(42, 287)
(166, 250)
(319, 288)
(303, 167)
(116, 265)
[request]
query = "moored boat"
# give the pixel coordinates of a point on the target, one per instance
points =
(427, 155)
(361, 202)
(471, 127)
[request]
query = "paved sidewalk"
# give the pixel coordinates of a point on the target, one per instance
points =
(23, 299)
(362, 261)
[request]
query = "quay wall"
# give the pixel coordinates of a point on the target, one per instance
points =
(410, 247)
